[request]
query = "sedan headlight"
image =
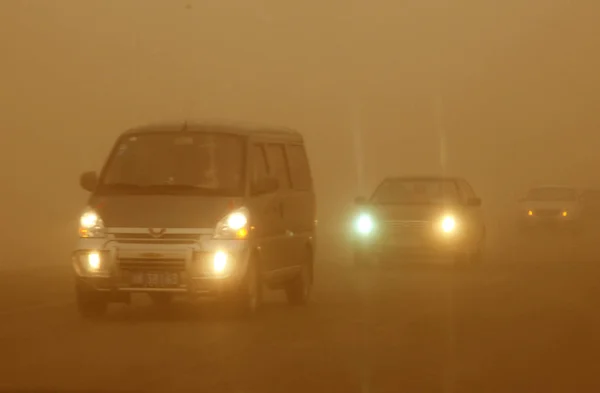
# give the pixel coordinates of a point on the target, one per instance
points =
(233, 226)
(364, 224)
(91, 225)
(447, 224)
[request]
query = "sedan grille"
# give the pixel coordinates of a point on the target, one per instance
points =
(407, 229)
(547, 212)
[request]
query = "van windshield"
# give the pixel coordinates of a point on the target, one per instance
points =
(176, 163)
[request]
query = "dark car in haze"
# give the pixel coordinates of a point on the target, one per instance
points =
(199, 210)
(551, 206)
(408, 217)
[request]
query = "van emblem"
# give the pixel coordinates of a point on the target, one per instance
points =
(157, 232)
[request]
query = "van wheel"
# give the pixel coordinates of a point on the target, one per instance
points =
(298, 290)
(90, 304)
(250, 297)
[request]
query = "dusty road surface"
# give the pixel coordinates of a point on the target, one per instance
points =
(526, 321)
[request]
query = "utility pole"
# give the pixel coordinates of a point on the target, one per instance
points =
(355, 95)
(357, 139)
(441, 132)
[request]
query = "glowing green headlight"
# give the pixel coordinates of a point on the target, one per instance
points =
(364, 224)
(448, 224)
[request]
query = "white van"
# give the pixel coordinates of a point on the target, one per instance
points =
(198, 210)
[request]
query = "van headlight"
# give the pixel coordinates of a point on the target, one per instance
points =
(233, 226)
(91, 225)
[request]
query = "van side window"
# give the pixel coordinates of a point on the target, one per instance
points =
(260, 167)
(299, 168)
(278, 164)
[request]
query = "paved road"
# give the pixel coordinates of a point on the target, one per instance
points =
(527, 321)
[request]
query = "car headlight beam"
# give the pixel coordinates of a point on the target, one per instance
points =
(94, 261)
(220, 262)
(364, 224)
(448, 224)
(91, 225)
(237, 221)
(233, 226)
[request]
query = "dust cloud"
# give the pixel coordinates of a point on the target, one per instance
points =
(505, 93)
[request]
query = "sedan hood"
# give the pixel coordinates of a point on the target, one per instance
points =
(412, 212)
(162, 211)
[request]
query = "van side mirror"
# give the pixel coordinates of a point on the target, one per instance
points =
(474, 201)
(88, 181)
(360, 200)
(265, 185)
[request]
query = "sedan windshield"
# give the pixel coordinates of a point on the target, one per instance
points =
(176, 163)
(552, 194)
(416, 192)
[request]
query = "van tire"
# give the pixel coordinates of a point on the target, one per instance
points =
(298, 290)
(249, 299)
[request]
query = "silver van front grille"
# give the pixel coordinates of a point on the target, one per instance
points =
(146, 238)
(151, 264)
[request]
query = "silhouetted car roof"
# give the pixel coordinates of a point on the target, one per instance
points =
(591, 191)
(215, 126)
(550, 186)
(424, 178)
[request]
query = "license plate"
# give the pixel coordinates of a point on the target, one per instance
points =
(155, 279)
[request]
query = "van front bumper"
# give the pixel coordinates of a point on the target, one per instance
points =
(207, 268)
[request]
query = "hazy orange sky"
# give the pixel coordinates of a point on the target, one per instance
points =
(516, 85)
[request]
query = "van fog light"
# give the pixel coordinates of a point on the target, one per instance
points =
(220, 262)
(94, 261)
